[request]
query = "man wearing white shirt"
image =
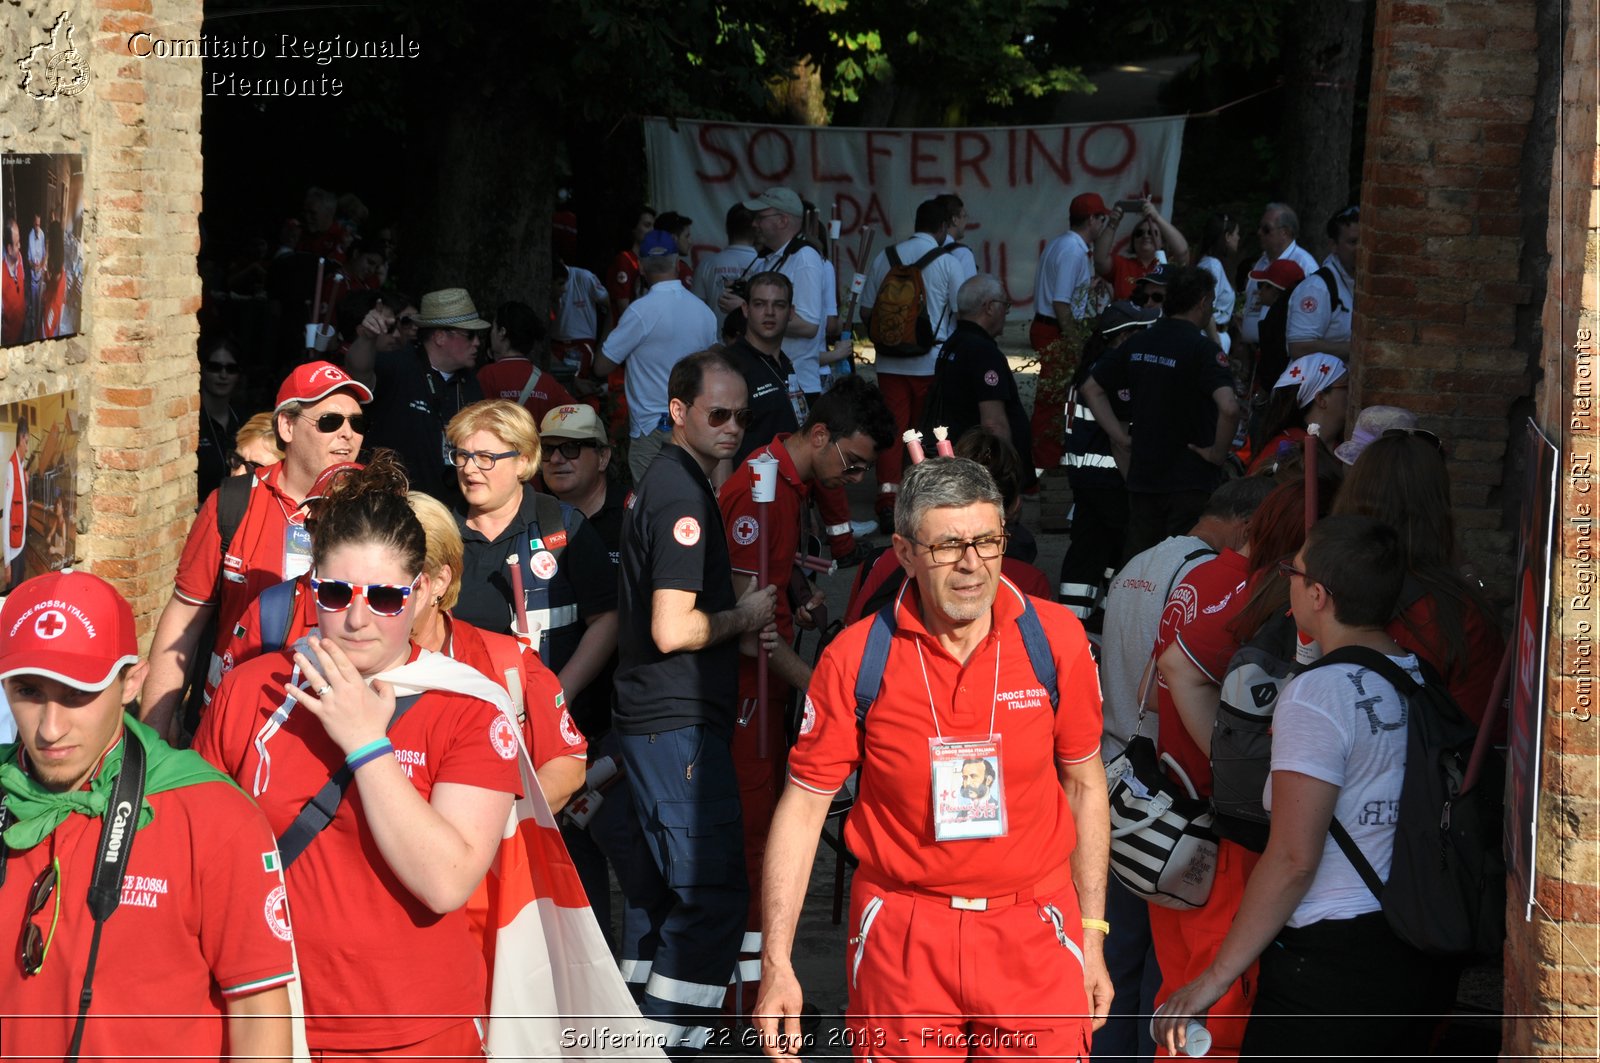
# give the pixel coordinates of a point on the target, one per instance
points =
(1321, 305)
(906, 381)
(1061, 291)
(653, 334)
(956, 223)
(715, 272)
(778, 216)
(1278, 229)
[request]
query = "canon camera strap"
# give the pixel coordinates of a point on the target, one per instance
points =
(118, 826)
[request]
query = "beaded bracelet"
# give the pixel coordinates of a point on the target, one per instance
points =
(1097, 924)
(369, 752)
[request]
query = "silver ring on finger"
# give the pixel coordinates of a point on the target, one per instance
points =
(322, 691)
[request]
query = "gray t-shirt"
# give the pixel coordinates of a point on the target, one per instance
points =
(1133, 615)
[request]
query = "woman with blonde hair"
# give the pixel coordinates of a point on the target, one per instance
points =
(517, 538)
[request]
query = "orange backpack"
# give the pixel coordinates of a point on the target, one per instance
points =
(899, 326)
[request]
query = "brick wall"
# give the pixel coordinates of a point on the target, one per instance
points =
(133, 364)
(1437, 279)
(1552, 985)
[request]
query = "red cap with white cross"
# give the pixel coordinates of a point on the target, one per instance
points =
(69, 626)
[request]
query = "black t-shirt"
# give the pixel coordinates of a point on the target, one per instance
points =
(411, 404)
(591, 709)
(1170, 371)
(972, 369)
(672, 539)
(771, 410)
(583, 585)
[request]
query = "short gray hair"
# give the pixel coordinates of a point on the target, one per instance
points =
(659, 265)
(976, 291)
(939, 483)
(1286, 217)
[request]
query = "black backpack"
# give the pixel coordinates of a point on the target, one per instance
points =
(1241, 737)
(233, 498)
(1446, 891)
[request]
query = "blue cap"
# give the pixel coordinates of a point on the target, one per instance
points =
(656, 243)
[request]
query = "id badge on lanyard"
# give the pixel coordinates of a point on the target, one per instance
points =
(797, 399)
(296, 552)
(968, 788)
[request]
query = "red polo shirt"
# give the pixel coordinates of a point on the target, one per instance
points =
(891, 826)
(547, 728)
(255, 558)
(202, 918)
(778, 535)
(379, 968)
(1196, 617)
(506, 378)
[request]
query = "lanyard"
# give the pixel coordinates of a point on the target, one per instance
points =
(925, 686)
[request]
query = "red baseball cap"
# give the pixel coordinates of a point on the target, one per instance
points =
(315, 381)
(1089, 203)
(1280, 273)
(70, 626)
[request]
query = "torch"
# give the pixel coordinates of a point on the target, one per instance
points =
(763, 490)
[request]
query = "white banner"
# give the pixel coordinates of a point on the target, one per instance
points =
(1016, 181)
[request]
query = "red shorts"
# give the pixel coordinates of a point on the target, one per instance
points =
(928, 981)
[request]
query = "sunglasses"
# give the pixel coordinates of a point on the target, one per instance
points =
(1420, 433)
(383, 599)
(483, 459)
(222, 367)
(35, 943)
(717, 416)
(851, 467)
(1143, 232)
(569, 448)
(329, 423)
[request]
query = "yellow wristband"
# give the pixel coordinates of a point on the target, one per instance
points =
(1097, 924)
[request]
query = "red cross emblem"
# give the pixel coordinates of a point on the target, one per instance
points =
(1323, 369)
(1295, 373)
(50, 624)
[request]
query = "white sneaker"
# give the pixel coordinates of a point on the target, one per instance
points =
(859, 528)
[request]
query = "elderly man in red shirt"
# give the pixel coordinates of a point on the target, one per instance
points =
(978, 920)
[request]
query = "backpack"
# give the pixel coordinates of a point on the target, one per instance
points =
(899, 326)
(875, 658)
(233, 498)
(1446, 892)
(1326, 273)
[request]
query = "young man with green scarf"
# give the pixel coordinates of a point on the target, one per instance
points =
(195, 959)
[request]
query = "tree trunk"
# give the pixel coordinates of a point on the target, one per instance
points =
(799, 97)
(1323, 44)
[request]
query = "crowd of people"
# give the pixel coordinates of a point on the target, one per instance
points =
(617, 516)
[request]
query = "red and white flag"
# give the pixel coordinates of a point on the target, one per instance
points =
(554, 990)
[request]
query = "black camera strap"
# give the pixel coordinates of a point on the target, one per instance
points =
(118, 826)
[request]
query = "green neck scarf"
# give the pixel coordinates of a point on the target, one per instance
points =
(36, 811)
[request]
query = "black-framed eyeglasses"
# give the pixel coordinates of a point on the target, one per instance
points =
(483, 459)
(717, 416)
(987, 547)
(1288, 569)
(570, 448)
(229, 368)
(34, 944)
(329, 423)
(1420, 433)
(383, 599)
(852, 467)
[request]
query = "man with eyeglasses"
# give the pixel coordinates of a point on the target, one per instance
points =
(419, 387)
(1278, 230)
(196, 954)
(846, 429)
(1321, 306)
(319, 423)
(974, 386)
(677, 689)
(995, 936)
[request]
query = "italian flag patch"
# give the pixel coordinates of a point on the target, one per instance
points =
(270, 862)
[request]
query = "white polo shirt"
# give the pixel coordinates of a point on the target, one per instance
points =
(1311, 313)
(715, 272)
(579, 317)
(1250, 327)
(655, 332)
(1066, 273)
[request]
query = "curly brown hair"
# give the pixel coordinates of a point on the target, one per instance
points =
(369, 506)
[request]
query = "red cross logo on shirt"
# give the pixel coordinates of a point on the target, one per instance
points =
(50, 624)
(1323, 369)
(1295, 373)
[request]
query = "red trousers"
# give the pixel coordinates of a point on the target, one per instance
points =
(1187, 941)
(928, 981)
(1048, 425)
(905, 396)
(761, 768)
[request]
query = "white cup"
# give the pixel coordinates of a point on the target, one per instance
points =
(319, 337)
(764, 485)
(1197, 1039)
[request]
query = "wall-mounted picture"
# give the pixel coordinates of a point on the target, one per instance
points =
(38, 494)
(41, 228)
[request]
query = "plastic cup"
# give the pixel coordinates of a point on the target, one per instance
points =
(764, 485)
(1197, 1039)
